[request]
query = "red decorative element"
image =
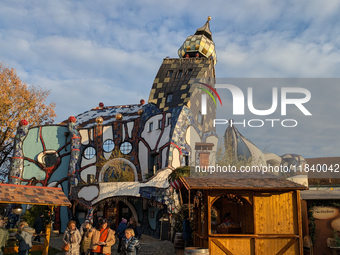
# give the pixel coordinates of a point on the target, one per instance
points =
(180, 150)
(186, 55)
(142, 101)
(176, 184)
(41, 139)
(72, 119)
(197, 55)
(101, 104)
(23, 123)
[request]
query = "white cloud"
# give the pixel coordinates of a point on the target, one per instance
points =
(88, 52)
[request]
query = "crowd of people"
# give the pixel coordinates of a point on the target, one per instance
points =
(99, 239)
(24, 235)
(88, 240)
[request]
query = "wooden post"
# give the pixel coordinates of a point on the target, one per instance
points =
(196, 222)
(206, 205)
(180, 197)
(48, 235)
(189, 204)
(298, 202)
(209, 214)
(209, 220)
(255, 219)
(199, 219)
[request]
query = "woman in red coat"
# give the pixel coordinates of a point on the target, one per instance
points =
(102, 238)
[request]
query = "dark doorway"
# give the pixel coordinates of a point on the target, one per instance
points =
(124, 211)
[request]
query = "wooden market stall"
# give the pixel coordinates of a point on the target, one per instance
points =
(320, 218)
(263, 215)
(34, 195)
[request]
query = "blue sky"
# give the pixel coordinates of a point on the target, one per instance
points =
(86, 52)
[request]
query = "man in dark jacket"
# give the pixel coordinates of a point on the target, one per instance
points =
(121, 232)
(38, 226)
(187, 231)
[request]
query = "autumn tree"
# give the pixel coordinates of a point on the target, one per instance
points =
(18, 101)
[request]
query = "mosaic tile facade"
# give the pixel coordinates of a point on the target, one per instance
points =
(17, 165)
(75, 152)
(152, 132)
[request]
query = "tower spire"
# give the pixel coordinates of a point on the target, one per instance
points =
(205, 30)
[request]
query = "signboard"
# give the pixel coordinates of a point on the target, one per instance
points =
(324, 213)
(335, 224)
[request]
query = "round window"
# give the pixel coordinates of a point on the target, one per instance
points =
(108, 145)
(49, 159)
(89, 152)
(126, 147)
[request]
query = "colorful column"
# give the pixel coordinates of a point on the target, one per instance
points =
(17, 164)
(75, 152)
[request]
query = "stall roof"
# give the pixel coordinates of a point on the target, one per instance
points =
(320, 194)
(23, 194)
(241, 183)
(329, 162)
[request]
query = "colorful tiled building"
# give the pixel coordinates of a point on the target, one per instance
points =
(114, 161)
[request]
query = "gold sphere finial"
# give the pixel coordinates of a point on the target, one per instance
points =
(209, 18)
(99, 120)
(119, 116)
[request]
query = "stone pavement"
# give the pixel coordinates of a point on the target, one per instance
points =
(149, 246)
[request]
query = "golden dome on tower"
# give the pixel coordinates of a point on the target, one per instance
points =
(200, 43)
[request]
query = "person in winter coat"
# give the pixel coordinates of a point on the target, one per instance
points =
(133, 223)
(38, 225)
(4, 235)
(24, 235)
(187, 231)
(102, 238)
(72, 237)
(131, 244)
(121, 232)
(85, 240)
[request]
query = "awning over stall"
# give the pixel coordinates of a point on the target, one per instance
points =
(23, 194)
(241, 183)
(320, 194)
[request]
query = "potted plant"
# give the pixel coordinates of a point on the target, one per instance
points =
(183, 171)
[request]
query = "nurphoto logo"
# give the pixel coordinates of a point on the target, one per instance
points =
(239, 104)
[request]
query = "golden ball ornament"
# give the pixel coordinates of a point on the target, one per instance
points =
(99, 120)
(119, 116)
